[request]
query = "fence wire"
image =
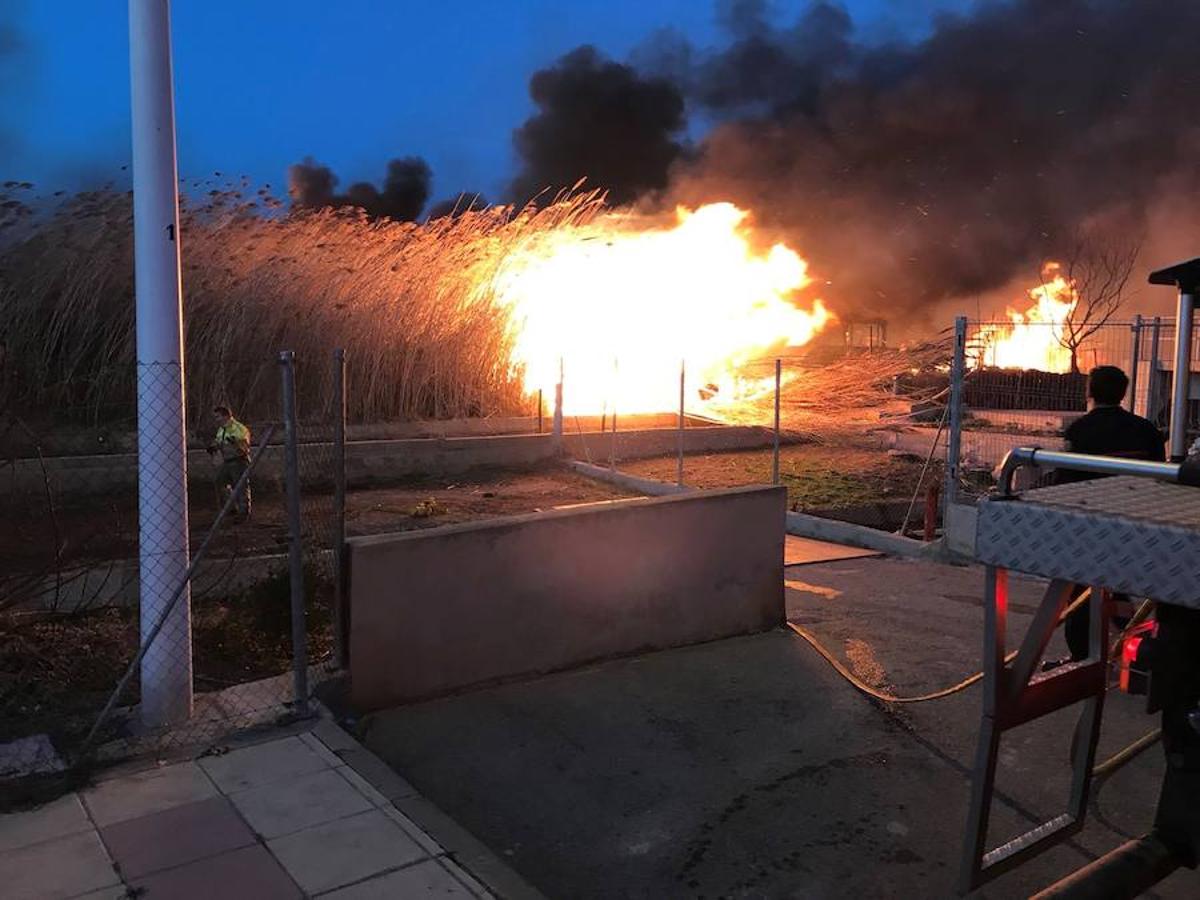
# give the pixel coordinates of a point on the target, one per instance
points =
(70, 619)
(1004, 408)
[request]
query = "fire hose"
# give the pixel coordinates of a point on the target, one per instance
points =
(1110, 765)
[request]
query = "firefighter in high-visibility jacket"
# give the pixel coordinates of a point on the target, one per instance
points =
(232, 441)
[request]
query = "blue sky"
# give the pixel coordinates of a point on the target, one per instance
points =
(262, 83)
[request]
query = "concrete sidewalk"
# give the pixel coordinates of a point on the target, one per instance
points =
(292, 816)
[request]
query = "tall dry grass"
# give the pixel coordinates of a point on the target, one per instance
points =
(411, 304)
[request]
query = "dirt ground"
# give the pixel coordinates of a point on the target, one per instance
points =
(57, 671)
(817, 476)
(106, 528)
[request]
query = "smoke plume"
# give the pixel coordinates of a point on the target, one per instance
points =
(907, 173)
(600, 120)
(405, 189)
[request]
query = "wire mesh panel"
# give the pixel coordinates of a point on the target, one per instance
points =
(861, 435)
(74, 640)
(1026, 383)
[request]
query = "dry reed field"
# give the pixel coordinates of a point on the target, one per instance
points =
(411, 303)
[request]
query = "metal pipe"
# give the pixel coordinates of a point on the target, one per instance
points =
(1152, 371)
(958, 374)
(1126, 872)
(340, 618)
(679, 459)
(612, 438)
(1135, 355)
(1177, 444)
(166, 675)
(775, 457)
(556, 428)
(1081, 462)
(287, 361)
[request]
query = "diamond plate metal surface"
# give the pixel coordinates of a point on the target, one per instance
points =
(1128, 534)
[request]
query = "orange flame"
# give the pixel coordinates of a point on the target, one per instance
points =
(1034, 339)
(623, 300)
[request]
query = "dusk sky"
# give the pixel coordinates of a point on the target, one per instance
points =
(260, 85)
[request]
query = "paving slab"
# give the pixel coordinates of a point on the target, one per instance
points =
(57, 818)
(176, 836)
(155, 790)
(802, 551)
(282, 808)
(426, 879)
(246, 874)
(261, 764)
(345, 851)
(62, 867)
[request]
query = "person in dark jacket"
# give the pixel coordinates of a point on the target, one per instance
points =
(1109, 429)
(1106, 430)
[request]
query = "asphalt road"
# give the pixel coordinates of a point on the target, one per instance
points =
(749, 768)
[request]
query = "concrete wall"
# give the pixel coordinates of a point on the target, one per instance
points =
(449, 608)
(376, 462)
(663, 441)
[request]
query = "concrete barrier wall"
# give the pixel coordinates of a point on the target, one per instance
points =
(437, 611)
(664, 441)
(376, 462)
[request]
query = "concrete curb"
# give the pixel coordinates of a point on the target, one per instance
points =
(799, 524)
(460, 845)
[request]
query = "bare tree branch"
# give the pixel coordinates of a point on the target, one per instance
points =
(1099, 267)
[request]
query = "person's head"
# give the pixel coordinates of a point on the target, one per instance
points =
(1107, 385)
(222, 414)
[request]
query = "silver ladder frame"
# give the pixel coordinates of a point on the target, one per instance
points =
(1015, 693)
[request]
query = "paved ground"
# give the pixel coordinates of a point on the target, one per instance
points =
(280, 819)
(747, 767)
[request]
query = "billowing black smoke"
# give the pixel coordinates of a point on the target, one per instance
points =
(600, 120)
(405, 189)
(913, 174)
(906, 173)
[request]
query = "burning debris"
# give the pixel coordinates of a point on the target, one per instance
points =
(623, 299)
(1036, 337)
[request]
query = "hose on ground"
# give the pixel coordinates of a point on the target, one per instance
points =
(1110, 765)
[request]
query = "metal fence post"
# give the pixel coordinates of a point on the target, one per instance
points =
(1152, 371)
(539, 411)
(340, 617)
(775, 457)
(958, 374)
(287, 362)
(1134, 361)
(679, 459)
(612, 439)
(557, 426)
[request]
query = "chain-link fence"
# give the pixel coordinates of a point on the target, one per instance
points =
(79, 639)
(1025, 384)
(824, 425)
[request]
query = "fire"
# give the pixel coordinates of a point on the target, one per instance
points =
(622, 300)
(1034, 339)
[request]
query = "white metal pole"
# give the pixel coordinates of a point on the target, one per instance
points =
(679, 459)
(775, 453)
(162, 446)
(556, 428)
(1177, 448)
(1135, 360)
